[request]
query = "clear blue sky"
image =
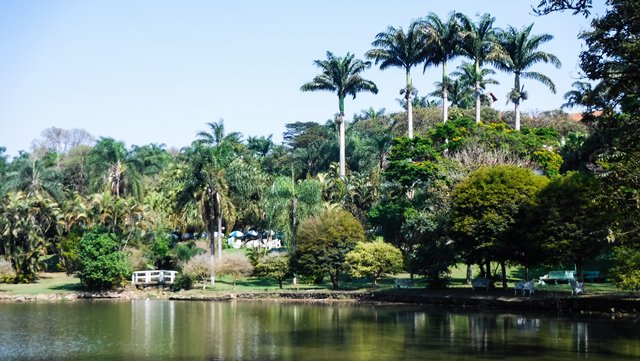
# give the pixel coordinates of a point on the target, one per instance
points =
(157, 71)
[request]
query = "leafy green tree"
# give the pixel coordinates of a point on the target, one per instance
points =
(273, 266)
(323, 241)
(427, 228)
(577, 6)
(413, 160)
(567, 223)
(101, 263)
(395, 48)
(28, 225)
(521, 50)
(478, 44)
(374, 260)
(342, 76)
(485, 206)
(442, 40)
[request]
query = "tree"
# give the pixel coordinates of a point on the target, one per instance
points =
(577, 6)
(202, 183)
(475, 79)
(28, 225)
(374, 260)
(101, 263)
(287, 203)
(521, 50)
(274, 266)
(395, 48)
(479, 45)
(110, 167)
(567, 224)
(484, 209)
(33, 174)
(342, 76)
(442, 42)
(323, 241)
(235, 266)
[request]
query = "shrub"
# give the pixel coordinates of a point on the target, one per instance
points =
(101, 263)
(182, 282)
(374, 260)
(274, 266)
(7, 274)
(198, 268)
(235, 266)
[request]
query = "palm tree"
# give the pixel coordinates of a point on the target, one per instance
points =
(342, 76)
(521, 50)
(479, 45)
(395, 48)
(28, 225)
(111, 167)
(441, 43)
(468, 75)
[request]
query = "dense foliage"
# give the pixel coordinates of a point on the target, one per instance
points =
(468, 184)
(101, 263)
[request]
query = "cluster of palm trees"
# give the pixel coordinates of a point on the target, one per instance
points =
(432, 41)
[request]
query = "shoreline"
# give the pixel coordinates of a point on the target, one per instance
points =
(599, 305)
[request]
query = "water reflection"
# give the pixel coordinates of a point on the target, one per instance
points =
(168, 330)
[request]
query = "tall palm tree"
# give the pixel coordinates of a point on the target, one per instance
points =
(395, 48)
(479, 43)
(342, 76)
(442, 42)
(521, 50)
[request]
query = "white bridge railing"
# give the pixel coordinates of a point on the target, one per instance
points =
(153, 277)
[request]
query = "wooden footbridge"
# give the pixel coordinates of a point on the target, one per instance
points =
(155, 277)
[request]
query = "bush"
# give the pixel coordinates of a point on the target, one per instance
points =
(374, 260)
(626, 273)
(274, 266)
(182, 282)
(236, 266)
(101, 263)
(198, 268)
(7, 274)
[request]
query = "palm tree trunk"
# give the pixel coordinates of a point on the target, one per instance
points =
(516, 102)
(517, 113)
(477, 93)
(219, 238)
(445, 94)
(409, 106)
(340, 120)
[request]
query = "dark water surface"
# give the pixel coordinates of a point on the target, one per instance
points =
(181, 330)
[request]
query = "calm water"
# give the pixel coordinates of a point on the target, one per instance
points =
(168, 330)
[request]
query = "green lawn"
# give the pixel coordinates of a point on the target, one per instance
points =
(61, 283)
(47, 284)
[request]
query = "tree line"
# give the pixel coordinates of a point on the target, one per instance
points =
(464, 184)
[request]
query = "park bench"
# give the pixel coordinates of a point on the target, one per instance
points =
(525, 287)
(591, 276)
(402, 283)
(481, 283)
(577, 288)
(556, 276)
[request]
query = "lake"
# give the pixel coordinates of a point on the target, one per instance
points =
(266, 330)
